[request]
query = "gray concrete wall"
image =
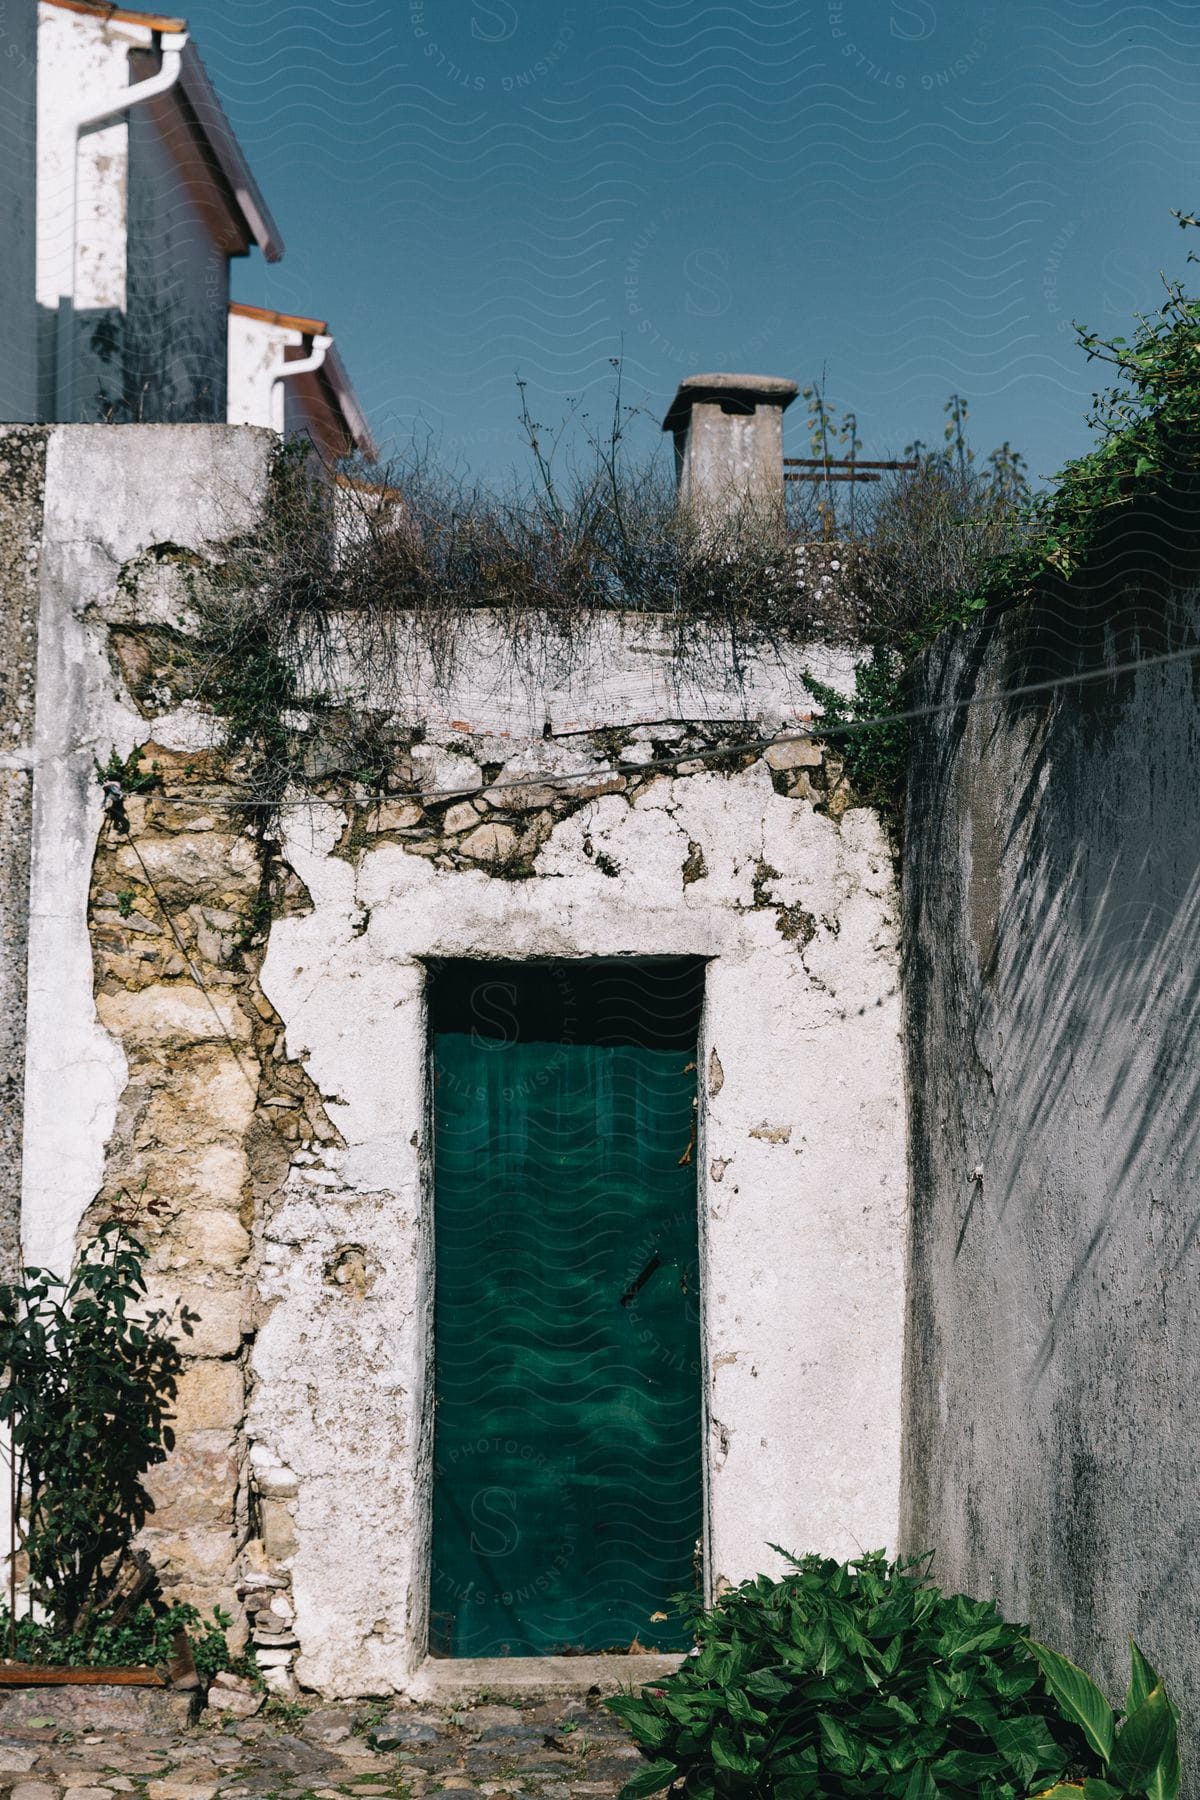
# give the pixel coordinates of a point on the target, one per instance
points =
(22, 481)
(1053, 984)
(18, 209)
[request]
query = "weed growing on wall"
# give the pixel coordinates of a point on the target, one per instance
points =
(323, 618)
(859, 1679)
(866, 731)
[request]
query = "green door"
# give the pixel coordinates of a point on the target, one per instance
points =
(567, 1487)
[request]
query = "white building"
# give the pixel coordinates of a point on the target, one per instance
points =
(119, 235)
(285, 372)
(143, 197)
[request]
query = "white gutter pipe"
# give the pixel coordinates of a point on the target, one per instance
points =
(171, 44)
(321, 347)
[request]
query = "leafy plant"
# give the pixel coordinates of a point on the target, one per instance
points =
(146, 1636)
(867, 729)
(89, 1381)
(1142, 1757)
(860, 1679)
(120, 777)
(1146, 424)
(127, 772)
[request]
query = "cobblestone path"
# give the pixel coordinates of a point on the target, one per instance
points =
(555, 1749)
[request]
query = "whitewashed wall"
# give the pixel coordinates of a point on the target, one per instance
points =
(801, 1161)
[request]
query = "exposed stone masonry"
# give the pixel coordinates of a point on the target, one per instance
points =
(214, 1118)
(209, 1123)
(476, 802)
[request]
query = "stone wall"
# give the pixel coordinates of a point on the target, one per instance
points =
(1052, 907)
(207, 1119)
(22, 478)
(227, 1037)
(646, 841)
(125, 512)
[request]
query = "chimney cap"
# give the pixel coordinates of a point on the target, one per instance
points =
(742, 393)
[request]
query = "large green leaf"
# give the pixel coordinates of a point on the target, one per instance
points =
(1141, 1679)
(1030, 1746)
(1078, 1697)
(1164, 1783)
(974, 1644)
(764, 1684)
(1146, 1753)
(895, 1704)
(938, 1699)
(728, 1753)
(921, 1785)
(741, 1712)
(651, 1780)
(964, 1768)
(838, 1747)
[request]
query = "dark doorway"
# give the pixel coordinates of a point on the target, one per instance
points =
(567, 1501)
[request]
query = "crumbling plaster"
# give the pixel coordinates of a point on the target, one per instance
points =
(800, 1159)
(111, 493)
(280, 1114)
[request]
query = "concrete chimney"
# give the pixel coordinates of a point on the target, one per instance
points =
(728, 433)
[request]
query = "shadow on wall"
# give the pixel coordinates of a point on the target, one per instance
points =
(1053, 983)
(152, 365)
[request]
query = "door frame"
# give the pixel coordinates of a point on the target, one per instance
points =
(801, 1221)
(436, 1666)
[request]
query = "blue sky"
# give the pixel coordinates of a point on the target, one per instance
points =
(914, 196)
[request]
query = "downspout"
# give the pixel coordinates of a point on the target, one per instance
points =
(171, 44)
(285, 370)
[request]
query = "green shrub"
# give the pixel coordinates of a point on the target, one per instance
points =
(860, 1679)
(89, 1376)
(146, 1637)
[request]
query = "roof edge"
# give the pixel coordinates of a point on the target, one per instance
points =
(210, 116)
(361, 435)
(212, 120)
(290, 321)
(99, 9)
